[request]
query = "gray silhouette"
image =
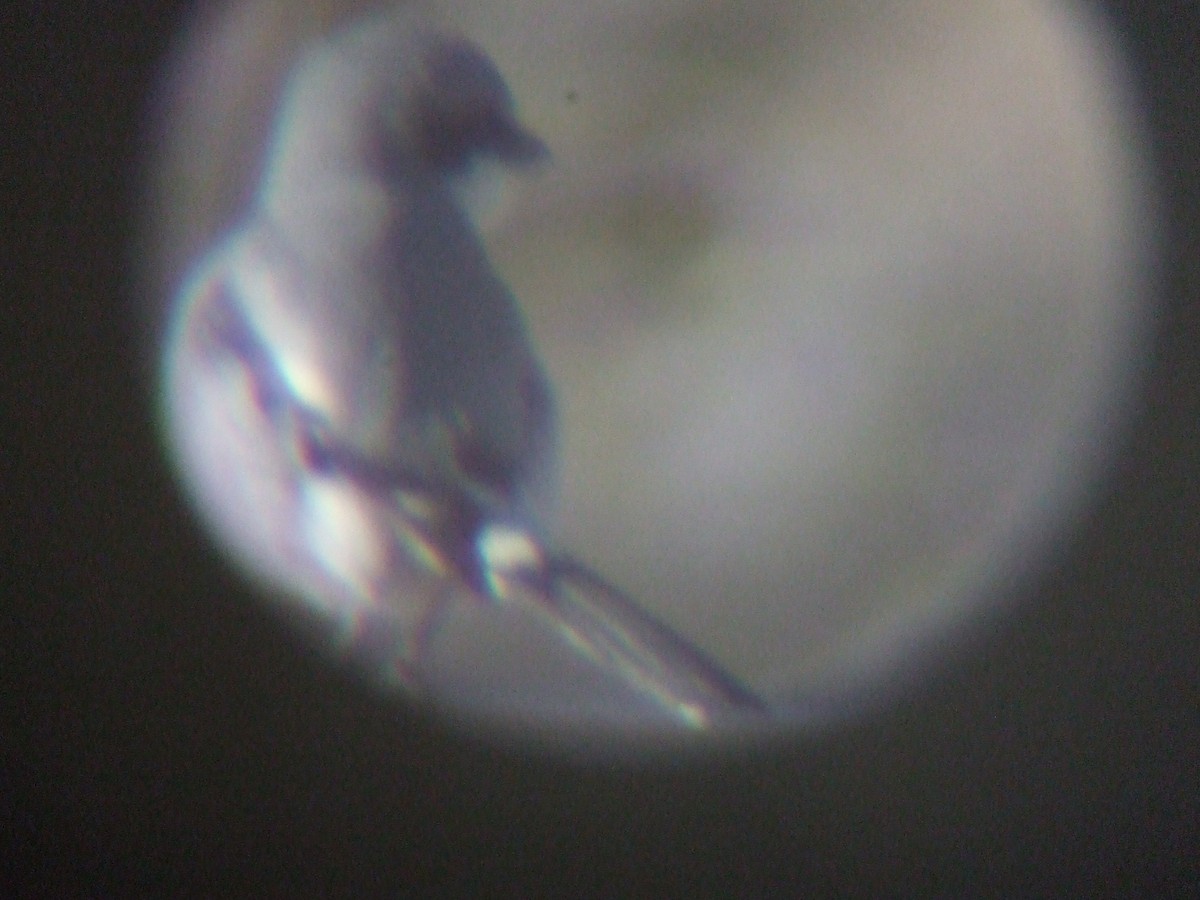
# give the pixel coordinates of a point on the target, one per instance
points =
(352, 391)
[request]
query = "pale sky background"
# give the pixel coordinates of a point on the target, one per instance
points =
(839, 299)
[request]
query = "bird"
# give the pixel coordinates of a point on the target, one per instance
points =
(351, 390)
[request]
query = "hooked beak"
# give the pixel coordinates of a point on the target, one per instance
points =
(516, 145)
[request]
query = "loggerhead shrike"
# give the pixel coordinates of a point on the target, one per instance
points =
(352, 394)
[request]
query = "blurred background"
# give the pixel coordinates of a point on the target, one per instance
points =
(842, 306)
(163, 731)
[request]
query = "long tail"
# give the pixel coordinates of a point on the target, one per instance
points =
(608, 627)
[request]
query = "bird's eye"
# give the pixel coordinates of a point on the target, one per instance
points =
(448, 143)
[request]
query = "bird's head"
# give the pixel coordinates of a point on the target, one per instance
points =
(397, 98)
(453, 109)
